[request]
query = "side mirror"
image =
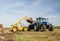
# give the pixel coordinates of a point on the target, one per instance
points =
(47, 18)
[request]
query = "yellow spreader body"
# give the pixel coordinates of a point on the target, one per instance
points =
(14, 27)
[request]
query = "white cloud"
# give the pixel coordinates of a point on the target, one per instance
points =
(16, 4)
(34, 5)
(52, 9)
(20, 11)
(52, 17)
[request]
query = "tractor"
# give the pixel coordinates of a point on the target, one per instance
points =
(41, 24)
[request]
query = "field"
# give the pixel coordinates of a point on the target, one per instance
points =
(35, 36)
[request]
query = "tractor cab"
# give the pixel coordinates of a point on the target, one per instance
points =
(41, 21)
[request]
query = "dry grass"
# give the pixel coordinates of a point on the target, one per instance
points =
(36, 36)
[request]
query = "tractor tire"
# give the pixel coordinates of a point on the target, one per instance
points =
(42, 28)
(28, 29)
(36, 27)
(31, 26)
(14, 29)
(50, 28)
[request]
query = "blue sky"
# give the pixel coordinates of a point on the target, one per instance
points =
(11, 10)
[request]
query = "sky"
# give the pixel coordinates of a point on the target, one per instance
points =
(11, 10)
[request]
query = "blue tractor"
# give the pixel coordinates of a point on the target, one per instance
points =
(41, 24)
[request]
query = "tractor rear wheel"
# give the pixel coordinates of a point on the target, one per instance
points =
(50, 28)
(42, 27)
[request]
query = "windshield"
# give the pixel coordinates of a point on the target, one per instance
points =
(44, 20)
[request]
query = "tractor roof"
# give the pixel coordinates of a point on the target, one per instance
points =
(42, 18)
